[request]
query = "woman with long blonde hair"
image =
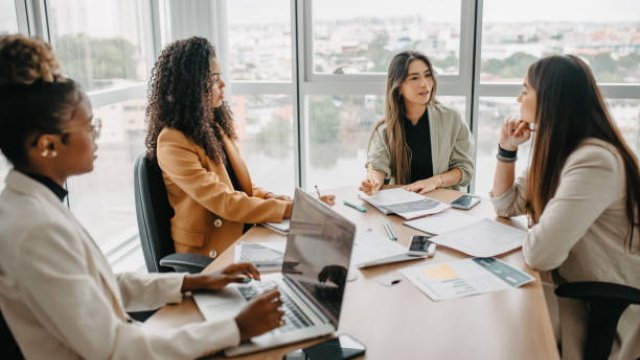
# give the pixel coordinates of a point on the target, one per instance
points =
(420, 143)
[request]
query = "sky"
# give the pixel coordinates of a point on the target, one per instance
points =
(244, 11)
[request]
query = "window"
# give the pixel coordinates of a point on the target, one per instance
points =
(606, 34)
(264, 124)
(259, 40)
(352, 37)
(103, 200)
(99, 44)
(8, 17)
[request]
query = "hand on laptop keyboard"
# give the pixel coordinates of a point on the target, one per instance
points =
(238, 273)
(260, 315)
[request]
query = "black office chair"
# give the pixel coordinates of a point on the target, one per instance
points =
(154, 215)
(10, 349)
(606, 301)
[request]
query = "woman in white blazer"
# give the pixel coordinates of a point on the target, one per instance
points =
(57, 291)
(581, 193)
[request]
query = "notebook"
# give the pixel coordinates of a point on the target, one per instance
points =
(406, 204)
(312, 282)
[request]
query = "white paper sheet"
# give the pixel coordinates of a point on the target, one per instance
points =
(406, 204)
(483, 238)
(441, 223)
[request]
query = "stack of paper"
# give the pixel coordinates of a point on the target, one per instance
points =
(264, 255)
(465, 278)
(406, 204)
(471, 235)
(281, 227)
(371, 248)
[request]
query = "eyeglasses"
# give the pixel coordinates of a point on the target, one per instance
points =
(96, 128)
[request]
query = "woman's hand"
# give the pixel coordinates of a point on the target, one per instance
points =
(271, 195)
(373, 181)
(260, 315)
(237, 273)
(328, 199)
(425, 185)
(514, 132)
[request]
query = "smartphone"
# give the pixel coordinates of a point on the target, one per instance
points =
(341, 348)
(465, 202)
(422, 246)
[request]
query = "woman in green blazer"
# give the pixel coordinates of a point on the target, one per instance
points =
(420, 143)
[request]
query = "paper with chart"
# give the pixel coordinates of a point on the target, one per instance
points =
(466, 277)
(483, 238)
(281, 227)
(263, 255)
(406, 204)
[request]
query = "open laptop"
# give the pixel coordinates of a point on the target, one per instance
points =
(312, 282)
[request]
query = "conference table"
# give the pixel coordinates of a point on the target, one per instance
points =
(400, 321)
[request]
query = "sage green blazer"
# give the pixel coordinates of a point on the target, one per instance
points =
(451, 146)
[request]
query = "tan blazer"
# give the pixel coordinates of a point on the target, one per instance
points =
(209, 213)
(581, 234)
(61, 299)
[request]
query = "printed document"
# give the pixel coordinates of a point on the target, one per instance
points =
(482, 238)
(466, 277)
(441, 223)
(371, 248)
(404, 203)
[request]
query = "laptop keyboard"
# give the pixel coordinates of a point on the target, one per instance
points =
(293, 317)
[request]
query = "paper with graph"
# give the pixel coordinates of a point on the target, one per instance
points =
(466, 277)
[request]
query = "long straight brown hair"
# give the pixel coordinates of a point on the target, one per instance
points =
(570, 108)
(394, 112)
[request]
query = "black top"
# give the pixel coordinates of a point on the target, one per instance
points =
(58, 190)
(234, 182)
(418, 138)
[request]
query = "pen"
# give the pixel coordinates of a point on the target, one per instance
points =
(360, 208)
(317, 191)
(392, 234)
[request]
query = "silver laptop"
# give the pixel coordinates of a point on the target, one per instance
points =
(312, 282)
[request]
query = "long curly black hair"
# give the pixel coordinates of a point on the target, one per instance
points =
(180, 97)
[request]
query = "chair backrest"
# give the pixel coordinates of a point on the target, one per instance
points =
(154, 213)
(10, 349)
(607, 302)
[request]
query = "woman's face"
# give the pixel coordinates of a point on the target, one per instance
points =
(416, 87)
(528, 102)
(218, 85)
(78, 149)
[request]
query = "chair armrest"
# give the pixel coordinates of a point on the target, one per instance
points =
(595, 290)
(191, 263)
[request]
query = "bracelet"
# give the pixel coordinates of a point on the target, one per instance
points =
(506, 159)
(507, 153)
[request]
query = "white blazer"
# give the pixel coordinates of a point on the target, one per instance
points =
(62, 301)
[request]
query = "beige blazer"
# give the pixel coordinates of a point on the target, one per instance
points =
(451, 146)
(581, 233)
(209, 213)
(62, 301)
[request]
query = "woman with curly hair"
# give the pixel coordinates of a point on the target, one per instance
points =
(58, 293)
(191, 135)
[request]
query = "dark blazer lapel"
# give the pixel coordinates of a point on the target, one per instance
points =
(238, 166)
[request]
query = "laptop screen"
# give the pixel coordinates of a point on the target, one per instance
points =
(318, 251)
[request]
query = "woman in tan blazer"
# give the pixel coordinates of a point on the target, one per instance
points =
(581, 194)
(191, 134)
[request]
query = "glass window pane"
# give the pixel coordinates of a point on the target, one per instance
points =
(260, 39)
(103, 200)
(99, 43)
(625, 112)
(339, 130)
(606, 33)
(264, 124)
(8, 17)
(360, 36)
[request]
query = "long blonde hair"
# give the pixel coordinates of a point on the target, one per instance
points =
(394, 112)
